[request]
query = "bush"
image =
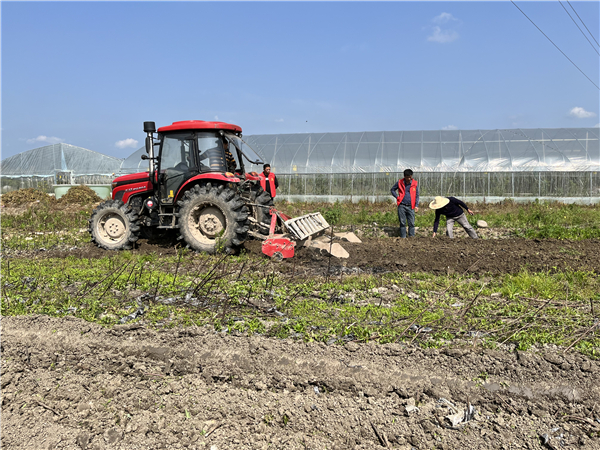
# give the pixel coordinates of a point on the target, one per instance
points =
(334, 214)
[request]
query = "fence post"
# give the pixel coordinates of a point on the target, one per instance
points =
(512, 176)
(374, 174)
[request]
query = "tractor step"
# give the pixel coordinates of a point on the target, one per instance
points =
(305, 226)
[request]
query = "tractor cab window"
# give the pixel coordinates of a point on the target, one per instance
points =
(176, 164)
(232, 158)
(176, 153)
(211, 153)
(244, 149)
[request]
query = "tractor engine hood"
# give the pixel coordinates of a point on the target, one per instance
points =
(131, 178)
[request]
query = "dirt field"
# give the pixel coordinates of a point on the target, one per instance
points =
(69, 384)
(446, 256)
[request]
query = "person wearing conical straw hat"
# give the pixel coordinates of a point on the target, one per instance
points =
(451, 208)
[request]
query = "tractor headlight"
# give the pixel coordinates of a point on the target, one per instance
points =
(150, 203)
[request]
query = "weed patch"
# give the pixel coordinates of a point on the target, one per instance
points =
(235, 294)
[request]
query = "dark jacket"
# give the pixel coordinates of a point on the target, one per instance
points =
(452, 210)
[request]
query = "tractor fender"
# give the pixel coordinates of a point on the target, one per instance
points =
(203, 177)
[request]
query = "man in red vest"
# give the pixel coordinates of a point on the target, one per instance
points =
(268, 180)
(406, 193)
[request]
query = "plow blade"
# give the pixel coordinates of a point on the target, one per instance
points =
(278, 247)
(305, 226)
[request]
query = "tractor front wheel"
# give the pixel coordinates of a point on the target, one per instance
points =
(113, 226)
(213, 218)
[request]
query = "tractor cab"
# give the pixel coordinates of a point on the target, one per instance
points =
(186, 153)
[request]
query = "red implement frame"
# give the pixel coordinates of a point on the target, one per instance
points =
(277, 246)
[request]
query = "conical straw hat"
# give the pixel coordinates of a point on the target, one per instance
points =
(439, 202)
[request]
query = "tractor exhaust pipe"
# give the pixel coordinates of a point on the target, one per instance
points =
(149, 129)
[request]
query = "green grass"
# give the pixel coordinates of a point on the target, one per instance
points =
(237, 294)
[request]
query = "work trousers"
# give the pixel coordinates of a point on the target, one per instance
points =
(462, 220)
(406, 216)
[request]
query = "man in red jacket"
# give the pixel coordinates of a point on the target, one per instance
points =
(406, 193)
(268, 180)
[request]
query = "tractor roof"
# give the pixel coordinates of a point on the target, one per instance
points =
(199, 125)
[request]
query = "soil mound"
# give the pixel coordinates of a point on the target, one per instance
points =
(81, 195)
(24, 196)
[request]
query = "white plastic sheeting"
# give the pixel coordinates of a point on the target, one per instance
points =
(515, 150)
(48, 160)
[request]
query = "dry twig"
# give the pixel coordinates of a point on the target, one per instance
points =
(218, 425)
(381, 436)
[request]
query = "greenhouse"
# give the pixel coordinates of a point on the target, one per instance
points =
(479, 165)
(55, 165)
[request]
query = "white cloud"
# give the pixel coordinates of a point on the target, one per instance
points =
(597, 125)
(444, 18)
(450, 127)
(217, 118)
(46, 139)
(442, 36)
(125, 143)
(581, 113)
(278, 120)
(444, 30)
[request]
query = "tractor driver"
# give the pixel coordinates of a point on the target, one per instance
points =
(215, 158)
(231, 163)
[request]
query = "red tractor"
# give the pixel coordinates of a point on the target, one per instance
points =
(197, 185)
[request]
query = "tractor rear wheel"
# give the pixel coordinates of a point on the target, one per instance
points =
(113, 225)
(261, 212)
(213, 218)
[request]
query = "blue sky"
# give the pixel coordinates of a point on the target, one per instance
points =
(90, 73)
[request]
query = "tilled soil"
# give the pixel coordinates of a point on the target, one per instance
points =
(449, 256)
(420, 254)
(69, 384)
